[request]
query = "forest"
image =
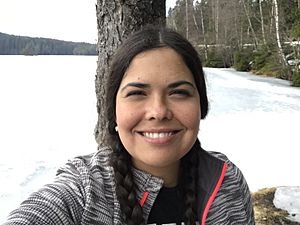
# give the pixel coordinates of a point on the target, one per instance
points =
(262, 36)
(21, 45)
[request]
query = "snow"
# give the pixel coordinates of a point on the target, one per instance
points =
(255, 121)
(288, 198)
(48, 114)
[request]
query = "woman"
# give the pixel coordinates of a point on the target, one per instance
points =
(154, 170)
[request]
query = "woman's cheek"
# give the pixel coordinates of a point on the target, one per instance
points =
(127, 117)
(190, 117)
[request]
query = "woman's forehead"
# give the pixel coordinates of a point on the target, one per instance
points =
(161, 63)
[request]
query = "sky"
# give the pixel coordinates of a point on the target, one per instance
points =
(70, 20)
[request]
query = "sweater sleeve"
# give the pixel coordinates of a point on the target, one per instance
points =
(59, 203)
(246, 199)
(238, 196)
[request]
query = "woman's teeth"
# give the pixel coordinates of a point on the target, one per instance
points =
(157, 135)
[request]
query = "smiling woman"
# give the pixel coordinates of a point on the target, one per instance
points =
(154, 170)
(158, 112)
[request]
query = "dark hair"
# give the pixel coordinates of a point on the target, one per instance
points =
(146, 39)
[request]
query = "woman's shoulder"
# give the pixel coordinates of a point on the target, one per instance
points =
(233, 195)
(99, 157)
(232, 170)
(87, 166)
(221, 158)
(233, 176)
(219, 155)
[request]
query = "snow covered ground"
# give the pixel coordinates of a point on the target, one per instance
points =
(48, 114)
(255, 121)
(288, 198)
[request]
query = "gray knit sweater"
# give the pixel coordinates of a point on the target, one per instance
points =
(83, 193)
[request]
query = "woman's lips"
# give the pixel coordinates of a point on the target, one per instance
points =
(159, 137)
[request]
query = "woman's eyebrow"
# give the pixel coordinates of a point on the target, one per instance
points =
(135, 84)
(179, 83)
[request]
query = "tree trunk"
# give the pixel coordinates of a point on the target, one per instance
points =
(195, 22)
(250, 23)
(204, 34)
(217, 20)
(236, 26)
(286, 71)
(272, 18)
(187, 19)
(276, 15)
(262, 22)
(115, 20)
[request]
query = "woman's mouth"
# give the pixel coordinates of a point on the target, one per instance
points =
(158, 135)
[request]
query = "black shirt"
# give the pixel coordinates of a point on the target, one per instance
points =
(167, 208)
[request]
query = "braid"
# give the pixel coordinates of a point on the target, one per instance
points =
(188, 184)
(125, 188)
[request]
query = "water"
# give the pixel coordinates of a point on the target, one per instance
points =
(48, 114)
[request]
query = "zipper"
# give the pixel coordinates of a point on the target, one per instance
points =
(145, 195)
(210, 200)
(214, 193)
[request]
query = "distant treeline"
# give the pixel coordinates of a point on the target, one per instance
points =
(21, 45)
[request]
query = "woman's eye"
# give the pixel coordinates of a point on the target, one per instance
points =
(180, 92)
(135, 93)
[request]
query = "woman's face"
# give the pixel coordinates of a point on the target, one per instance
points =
(157, 110)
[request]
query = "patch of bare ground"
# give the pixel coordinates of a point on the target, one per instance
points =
(264, 210)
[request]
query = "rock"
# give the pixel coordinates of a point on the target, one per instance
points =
(264, 210)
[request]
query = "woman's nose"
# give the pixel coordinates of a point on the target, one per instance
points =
(158, 109)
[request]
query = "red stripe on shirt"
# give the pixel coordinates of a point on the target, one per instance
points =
(145, 195)
(213, 195)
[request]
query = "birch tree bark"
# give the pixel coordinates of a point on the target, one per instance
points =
(262, 22)
(286, 70)
(115, 20)
(204, 34)
(276, 15)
